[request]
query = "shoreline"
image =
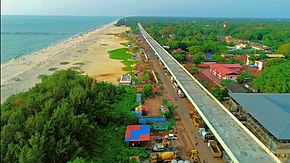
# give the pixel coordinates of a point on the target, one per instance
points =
(57, 42)
(86, 51)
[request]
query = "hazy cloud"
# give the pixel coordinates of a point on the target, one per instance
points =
(191, 8)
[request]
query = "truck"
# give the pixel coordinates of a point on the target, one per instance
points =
(205, 135)
(180, 93)
(172, 137)
(215, 150)
(162, 157)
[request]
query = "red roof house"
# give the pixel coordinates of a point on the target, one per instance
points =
(139, 89)
(155, 90)
(178, 51)
(225, 71)
(136, 157)
(145, 107)
(241, 58)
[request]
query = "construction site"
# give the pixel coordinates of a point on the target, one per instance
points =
(165, 134)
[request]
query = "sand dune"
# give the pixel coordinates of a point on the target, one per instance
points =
(88, 51)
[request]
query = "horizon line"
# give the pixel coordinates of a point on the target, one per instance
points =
(152, 16)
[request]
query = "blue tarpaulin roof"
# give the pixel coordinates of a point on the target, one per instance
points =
(270, 110)
(136, 133)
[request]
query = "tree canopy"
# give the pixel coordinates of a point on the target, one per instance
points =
(68, 117)
(204, 33)
(274, 79)
(245, 75)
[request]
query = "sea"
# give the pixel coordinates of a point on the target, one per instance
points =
(23, 35)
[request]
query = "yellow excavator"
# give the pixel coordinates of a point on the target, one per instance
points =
(162, 157)
(194, 155)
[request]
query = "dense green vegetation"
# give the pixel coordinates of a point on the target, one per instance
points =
(245, 75)
(274, 79)
(121, 54)
(202, 34)
(181, 58)
(68, 117)
(219, 93)
(147, 90)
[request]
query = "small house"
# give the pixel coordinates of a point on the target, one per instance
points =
(125, 80)
(164, 109)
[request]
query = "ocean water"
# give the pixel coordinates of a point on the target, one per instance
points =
(23, 35)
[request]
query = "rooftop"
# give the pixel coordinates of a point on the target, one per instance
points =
(234, 87)
(177, 51)
(136, 157)
(226, 69)
(135, 133)
(126, 77)
(275, 55)
(138, 97)
(270, 110)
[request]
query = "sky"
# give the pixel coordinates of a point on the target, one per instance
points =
(124, 8)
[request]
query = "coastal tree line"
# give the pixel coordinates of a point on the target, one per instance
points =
(68, 117)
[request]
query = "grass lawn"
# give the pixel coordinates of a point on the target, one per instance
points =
(121, 54)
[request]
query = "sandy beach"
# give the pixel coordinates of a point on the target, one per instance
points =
(88, 51)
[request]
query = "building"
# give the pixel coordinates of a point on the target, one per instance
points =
(252, 70)
(234, 87)
(137, 133)
(139, 110)
(125, 80)
(241, 58)
(139, 97)
(137, 158)
(164, 109)
(267, 116)
(228, 56)
(178, 51)
(275, 55)
(256, 46)
(151, 119)
(229, 39)
(225, 71)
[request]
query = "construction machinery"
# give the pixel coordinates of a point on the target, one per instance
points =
(162, 157)
(215, 150)
(165, 141)
(196, 119)
(194, 155)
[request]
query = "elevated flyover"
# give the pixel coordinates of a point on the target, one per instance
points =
(239, 143)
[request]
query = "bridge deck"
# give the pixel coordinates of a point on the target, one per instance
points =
(237, 141)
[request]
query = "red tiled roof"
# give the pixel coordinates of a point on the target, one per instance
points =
(241, 58)
(165, 107)
(145, 107)
(252, 70)
(177, 51)
(155, 90)
(139, 89)
(136, 157)
(226, 69)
